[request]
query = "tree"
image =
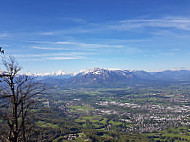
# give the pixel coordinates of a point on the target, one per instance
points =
(17, 99)
(2, 51)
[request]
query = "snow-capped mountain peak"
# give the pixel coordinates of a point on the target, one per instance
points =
(60, 72)
(94, 71)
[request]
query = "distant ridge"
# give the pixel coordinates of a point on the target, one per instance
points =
(58, 73)
(98, 77)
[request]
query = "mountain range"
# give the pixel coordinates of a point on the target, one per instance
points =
(100, 77)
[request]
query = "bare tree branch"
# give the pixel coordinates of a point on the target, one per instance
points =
(18, 100)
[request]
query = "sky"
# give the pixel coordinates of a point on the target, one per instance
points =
(72, 35)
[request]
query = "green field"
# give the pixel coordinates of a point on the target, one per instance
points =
(45, 124)
(83, 108)
(115, 122)
(172, 134)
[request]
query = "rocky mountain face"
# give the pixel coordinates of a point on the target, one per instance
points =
(98, 77)
(176, 75)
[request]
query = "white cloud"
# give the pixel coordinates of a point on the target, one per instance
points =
(76, 20)
(4, 35)
(64, 58)
(90, 48)
(78, 46)
(179, 23)
(47, 48)
(90, 45)
(51, 54)
(169, 54)
(168, 22)
(64, 42)
(47, 33)
(30, 59)
(77, 30)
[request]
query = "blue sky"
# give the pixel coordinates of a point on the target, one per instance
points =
(48, 35)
